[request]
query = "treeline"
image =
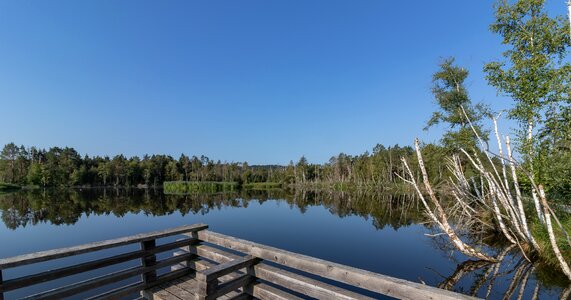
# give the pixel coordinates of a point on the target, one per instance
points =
(66, 167)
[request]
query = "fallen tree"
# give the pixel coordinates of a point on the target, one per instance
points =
(494, 191)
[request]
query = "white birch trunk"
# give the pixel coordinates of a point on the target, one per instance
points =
(529, 143)
(523, 219)
(501, 221)
(569, 13)
(500, 147)
(537, 206)
(441, 215)
(556, 251)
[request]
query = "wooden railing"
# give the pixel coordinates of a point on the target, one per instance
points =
(147, 254)
(220, 271)
(207, 265)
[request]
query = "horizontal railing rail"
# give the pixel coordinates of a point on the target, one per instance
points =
(147, 269)
(366, 280)
(31, 258)
(289, 280)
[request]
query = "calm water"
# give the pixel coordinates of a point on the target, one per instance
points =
(381, 233)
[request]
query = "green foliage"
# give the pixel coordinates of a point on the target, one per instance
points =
(451, 95)
(533, 73)
(536, 75)
(542, 238)
(189, 187)
(263, 185)
(8, 187)
(556, 174)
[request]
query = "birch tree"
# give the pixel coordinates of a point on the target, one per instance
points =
(451, 96)
(533, 65)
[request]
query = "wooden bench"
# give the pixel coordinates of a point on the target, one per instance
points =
(209, 265)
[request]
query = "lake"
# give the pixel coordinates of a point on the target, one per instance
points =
(383, 233)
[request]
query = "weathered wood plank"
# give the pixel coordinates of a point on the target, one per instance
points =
(26, 259)
(82, 286)
(25, 281)
(304, 285)
(268, 292)
(158, 293)
(172, 276)
(151, 293)
(120, 292)
(214, 254)
(187, 283)
(371, 281)
(241, 296)
(200, 264)
(173, 288)
(231, 285)
(190, 284)
(317, 289)
(289, 280)
(227, 268)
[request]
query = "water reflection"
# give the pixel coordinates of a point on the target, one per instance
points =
(514, 268)
(512, 278)
(68, 206)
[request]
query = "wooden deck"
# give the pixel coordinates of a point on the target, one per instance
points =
(209, 265)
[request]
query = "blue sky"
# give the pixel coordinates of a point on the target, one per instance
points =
(257, 81)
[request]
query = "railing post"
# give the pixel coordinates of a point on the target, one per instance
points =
(148, 261)
(1, 285)
(206, 289)
(184, 250)
(210, 288)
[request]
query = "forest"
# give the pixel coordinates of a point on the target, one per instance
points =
(65, 167)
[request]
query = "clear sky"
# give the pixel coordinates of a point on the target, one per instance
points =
(258, 81)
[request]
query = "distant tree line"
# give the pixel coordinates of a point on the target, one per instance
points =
(58, 167)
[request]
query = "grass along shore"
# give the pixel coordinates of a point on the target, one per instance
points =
(187, 187)
(8, 187)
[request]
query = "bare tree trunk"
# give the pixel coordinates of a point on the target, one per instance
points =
(440, 217)
(537, 206)
(530, 140)
(565, 293)
(569, 13)
(562, 262)
(522, 217)
(501, 152)
(501, 221)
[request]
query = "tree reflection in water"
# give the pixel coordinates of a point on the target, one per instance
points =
(68, 206)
